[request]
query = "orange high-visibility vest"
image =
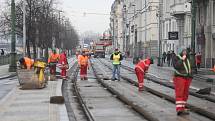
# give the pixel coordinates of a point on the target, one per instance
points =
(53, 58)
(143, 65)
(83, 60)
(29, 62)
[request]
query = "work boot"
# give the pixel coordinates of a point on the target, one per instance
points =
(112, 79)
(85, 78)
(183, 112)
(141, 89)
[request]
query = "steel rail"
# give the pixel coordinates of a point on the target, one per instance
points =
(80, 99)
(193, 108)
(124, 99)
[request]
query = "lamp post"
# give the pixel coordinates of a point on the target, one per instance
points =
(160, 32)
(193, 11)
(12, 66)
(24, 27)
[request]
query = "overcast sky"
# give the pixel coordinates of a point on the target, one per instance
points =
(75, 9)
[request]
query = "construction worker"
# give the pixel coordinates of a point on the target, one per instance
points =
(26, 63)
(116, 57)
(83, 62)
(63, 64)
(182, 79)
(213, 69)
(141, 68)
(53, 60)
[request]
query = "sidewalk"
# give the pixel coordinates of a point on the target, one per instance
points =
(33, 105)
(4, 71)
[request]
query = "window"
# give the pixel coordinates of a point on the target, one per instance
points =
(166, 31)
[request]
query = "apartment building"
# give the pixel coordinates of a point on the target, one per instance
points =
(116, 24)
(141, 26)
(205, 31)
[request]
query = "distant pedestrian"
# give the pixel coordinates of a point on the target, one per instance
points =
(141, 68)
(83, 62)
(198, 58)
(2, 52)
(168, 56)
(182, 79)
(116, 57)
(128, 54)
(172, 57)
(164, 57)
(63, 63)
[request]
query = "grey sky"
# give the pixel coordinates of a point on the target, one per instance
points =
(74, 9)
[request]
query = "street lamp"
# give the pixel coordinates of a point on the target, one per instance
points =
(193, 11)
(24, 27)
(12, 66)
(160, 32)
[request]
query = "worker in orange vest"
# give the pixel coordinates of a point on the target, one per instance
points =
(83, 62)
(53, 60)
(26, 63)
(141, 68)
(63, 64)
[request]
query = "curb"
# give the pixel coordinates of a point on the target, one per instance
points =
(8, 76)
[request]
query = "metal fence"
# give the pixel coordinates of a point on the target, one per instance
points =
(5, 59)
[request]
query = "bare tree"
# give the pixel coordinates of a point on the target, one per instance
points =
(42, 26)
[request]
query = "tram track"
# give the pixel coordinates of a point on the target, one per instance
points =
(170, 98)
(88, 96)
(74, 106)
(167, 83)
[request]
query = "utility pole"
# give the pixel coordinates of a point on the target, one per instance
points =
(12, 67)
(113, 38)
(146, 32)
(193, 11)
(160, 32)
(135, 32)
(24, 27)
(59, 27)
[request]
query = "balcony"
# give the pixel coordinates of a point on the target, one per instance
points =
(180, 9)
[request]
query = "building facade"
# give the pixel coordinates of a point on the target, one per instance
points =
(141, 26)
(205, 31)
(137, 22)
(116, 24)
(176, 21)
